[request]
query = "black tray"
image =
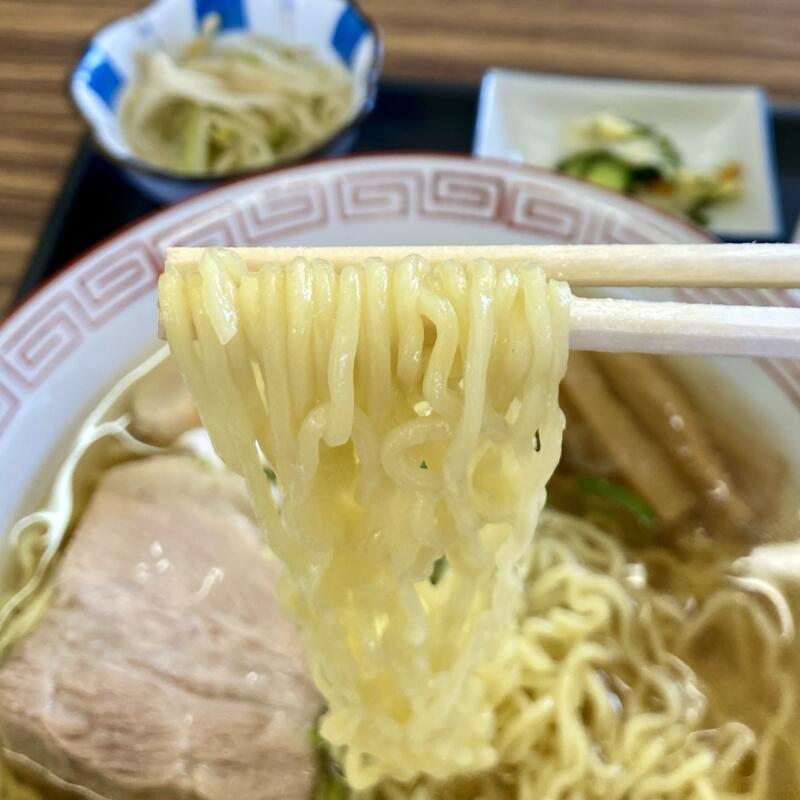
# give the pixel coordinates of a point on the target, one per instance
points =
(96, 199)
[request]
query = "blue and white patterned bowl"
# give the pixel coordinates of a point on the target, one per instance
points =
(335, 29)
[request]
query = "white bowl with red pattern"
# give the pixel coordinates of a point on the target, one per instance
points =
(69, 342)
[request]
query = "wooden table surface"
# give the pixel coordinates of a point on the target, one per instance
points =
(752, 41)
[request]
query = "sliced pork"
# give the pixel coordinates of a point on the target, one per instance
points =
(164, 667)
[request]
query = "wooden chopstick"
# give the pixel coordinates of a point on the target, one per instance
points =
(732, 265)
(615, 325)
(638, 326)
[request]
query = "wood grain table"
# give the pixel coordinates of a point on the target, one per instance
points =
(752, 41)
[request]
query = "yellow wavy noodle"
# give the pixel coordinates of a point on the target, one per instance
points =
(12, 788)
(410, 413)
(28, 553)
(593, 698)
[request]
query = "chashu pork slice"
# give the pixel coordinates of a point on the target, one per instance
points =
(164, 667)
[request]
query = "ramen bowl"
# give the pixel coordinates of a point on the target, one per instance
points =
(98, 318)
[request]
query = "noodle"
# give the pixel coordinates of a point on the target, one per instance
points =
(411, 414)
(403, 428)
(590, 705)
(11, 788)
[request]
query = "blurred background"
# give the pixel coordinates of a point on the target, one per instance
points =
(452, 41)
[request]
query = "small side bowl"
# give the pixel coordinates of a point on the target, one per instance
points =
(335, 29)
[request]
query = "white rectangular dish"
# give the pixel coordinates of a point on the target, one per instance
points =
(522, 116)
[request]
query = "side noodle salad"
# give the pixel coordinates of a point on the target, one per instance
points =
(226, 106)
